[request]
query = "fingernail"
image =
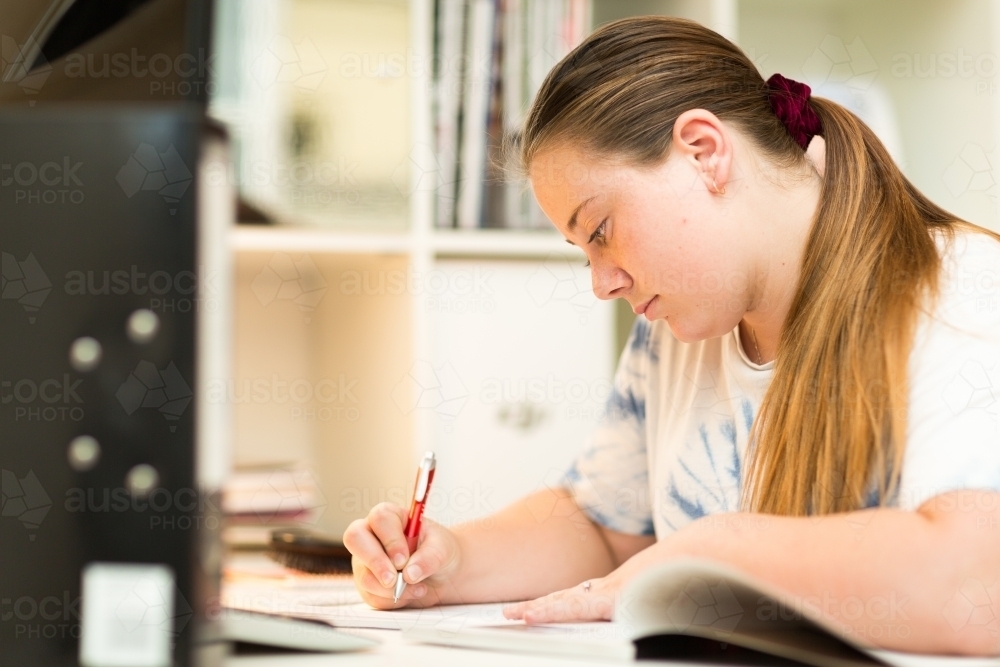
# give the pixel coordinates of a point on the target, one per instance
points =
(398, 560)
(419, 591)
(388, 577)
(413, 572)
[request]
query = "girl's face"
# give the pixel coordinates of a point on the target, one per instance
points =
(657, 237)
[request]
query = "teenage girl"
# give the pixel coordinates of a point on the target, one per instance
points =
(810, 393)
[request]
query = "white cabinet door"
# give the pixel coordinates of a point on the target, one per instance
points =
(523, 356)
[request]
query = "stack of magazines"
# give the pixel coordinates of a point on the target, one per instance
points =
(258, 501)
(490, 58)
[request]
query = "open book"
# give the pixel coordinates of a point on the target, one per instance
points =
(694, 610)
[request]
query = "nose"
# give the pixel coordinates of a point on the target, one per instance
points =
(608, 280)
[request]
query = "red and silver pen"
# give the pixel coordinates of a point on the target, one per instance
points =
(425, 475)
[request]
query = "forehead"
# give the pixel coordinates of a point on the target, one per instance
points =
(569, 174)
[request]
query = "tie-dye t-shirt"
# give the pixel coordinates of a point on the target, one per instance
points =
(673, 442)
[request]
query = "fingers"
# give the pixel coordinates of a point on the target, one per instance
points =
(378, 540)
(571, 604)
(367, 550)
(429, 557)
(372, 541)
(387, 522)
(379, 596)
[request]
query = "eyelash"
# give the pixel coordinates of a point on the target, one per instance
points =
(598, 236)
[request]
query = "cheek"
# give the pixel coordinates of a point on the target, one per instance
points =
(649, 264)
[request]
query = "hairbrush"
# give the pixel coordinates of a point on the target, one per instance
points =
(308, 551)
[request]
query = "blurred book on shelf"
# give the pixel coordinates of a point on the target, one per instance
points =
(258, 501)
(490, 58)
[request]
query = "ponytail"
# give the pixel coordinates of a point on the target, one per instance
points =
(832, 426)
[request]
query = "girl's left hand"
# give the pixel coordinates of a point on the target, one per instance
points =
(571, 604)
(597, 601)
(577, 604)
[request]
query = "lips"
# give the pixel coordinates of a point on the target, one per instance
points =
(641, 308)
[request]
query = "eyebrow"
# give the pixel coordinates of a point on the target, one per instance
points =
(572, 219)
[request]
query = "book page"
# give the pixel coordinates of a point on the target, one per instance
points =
(706, 599)
(335, 600)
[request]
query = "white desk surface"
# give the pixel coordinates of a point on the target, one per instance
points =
(395, 650)
(398, 652)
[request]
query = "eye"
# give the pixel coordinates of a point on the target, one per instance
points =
(599, 233)
(601, 229)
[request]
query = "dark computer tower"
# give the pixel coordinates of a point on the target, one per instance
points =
(113, 315)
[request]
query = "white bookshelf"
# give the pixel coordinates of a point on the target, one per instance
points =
(377, 336)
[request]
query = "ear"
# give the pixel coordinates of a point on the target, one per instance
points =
(816, 153)
(700, 138)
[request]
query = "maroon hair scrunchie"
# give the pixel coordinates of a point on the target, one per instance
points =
(790, 101)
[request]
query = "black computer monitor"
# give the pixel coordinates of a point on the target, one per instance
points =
(114, 292)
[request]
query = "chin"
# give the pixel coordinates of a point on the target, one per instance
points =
(693, 332)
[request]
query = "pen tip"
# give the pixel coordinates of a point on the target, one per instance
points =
(397, 590)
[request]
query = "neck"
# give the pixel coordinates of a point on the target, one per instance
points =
(783, 214)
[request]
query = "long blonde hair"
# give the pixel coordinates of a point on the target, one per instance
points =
(833, 420)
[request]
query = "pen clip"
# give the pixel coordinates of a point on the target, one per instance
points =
(423, 479)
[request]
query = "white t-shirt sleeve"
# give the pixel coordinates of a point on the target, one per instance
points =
(609, 480)
(954, 431)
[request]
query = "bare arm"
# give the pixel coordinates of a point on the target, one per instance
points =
(925, 581)
(539, 544)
